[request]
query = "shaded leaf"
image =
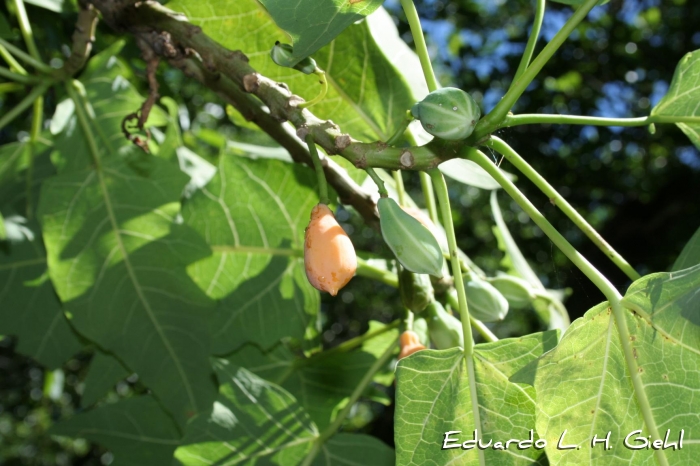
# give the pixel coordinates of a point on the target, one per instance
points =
(322, 381)
(353, 450)
(136, 430)
(683, 96)
(29, 308)
(118, 264)
(252, 422)
(433, 398)
(103, 374)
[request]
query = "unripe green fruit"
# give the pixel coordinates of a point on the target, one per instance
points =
(485, 302)
(420, 326)
(415, 290)
(517, 291)
(448, 113)
(283, 55)
(444, 328)
(412, 244)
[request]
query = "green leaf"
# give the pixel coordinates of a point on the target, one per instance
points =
(469, 173)
(118, 264)
(3, 232)
(683, 96)
(14, 167)
(136, 430)
(433, 397)
(315, 23)
(322, 381)
(690, 255)
(253, 215)
(367, 96)
(584, 384)
(252, 422)
(354, 450)
(28, 305)
(103, 374)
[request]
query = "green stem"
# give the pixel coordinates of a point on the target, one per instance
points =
(26, 29)
(14, 64)
(429, 196)
(18, 78)
(421, 49)
(534, 118)
(532, 40)
(391, 279)
(24, 104)
(491, 121)
(359, 390)
(598, 279)
(324, 89)
(10, 87)
(37, 121)
(398, 178)
(28, 59)
(84, 121)
(320, 175)
(445, 210)
(504, 149)
(357, 341)
(375, 273)
(378, 181)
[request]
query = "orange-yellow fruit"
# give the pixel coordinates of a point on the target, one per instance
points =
(410, 343)
(329, 257)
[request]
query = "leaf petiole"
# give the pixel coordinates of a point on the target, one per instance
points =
(323, 81)
(318, 166)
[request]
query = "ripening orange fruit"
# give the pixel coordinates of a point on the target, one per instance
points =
(410, 343)
(329, 257)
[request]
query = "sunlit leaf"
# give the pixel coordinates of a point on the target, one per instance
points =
(584, 384)
(683, 96)
(690, 255)
(433, 397)
(368, 97)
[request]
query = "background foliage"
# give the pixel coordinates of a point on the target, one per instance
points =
(639, 190)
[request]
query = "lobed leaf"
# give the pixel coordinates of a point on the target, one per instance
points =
(584, 384)
(433, 397)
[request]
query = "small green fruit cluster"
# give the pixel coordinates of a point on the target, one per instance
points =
(448, 113)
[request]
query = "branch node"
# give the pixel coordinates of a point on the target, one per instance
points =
(302, 132)
(342, 142)
(407, 160)
(251, 82)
